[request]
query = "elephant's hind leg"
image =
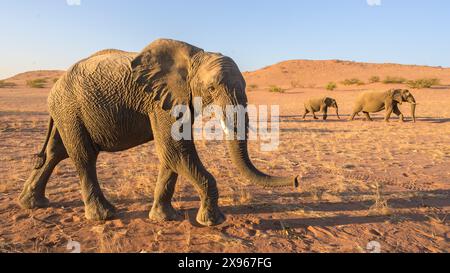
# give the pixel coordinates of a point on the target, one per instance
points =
(84, 155)
(33, 194)
(306, 113)
(162, 209)
(368, 118)
(355, 113)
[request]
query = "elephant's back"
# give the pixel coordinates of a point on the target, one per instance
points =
(99, 92)
(372, 101)
(104, 78)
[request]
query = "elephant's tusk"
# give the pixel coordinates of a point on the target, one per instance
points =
(224, 127)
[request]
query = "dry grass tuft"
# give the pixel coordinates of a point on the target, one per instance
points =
(353, 81)
(37, 83)
(423, 83)
(380, 206)
(331, 86)
(5, 84)
(394, 80)
(276, 89)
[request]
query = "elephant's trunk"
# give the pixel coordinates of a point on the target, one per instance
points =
(237, 144)
(337, 112)
(413, 107)
(413, 111)
(239, 155)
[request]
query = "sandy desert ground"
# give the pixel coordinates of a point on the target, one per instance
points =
(361, 182)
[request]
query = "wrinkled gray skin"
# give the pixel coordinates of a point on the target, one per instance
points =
(116, 100)
(320, 105)
(374, 101)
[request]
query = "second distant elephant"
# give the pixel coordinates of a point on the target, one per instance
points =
(373, 101)
(320, 105)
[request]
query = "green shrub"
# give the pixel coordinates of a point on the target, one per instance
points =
(390, 80)
(276, 89)
(331, 86)
(374, 79)
(5, 84)
(36, 83)
(423, 83)
(353, 81)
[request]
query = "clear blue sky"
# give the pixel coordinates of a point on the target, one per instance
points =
(50, 34)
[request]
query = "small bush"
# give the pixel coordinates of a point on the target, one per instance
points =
(423, 83)
(331, 86)
(252, 87)
(276, 89)
(353, 81)
(4, 84)
(374, 79)
(391, 80)
(37, 83)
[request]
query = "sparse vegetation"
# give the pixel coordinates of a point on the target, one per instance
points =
(380, 206)
(374, 79)
(37, 83)
(423, 83)
(276, 89)
(5, 84)
(252, 87)
(393, 80)
(331, 86)
(353, 81)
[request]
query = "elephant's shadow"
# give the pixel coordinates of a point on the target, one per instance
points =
(395, 203)
(434, 199)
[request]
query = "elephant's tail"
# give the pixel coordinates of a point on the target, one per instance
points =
(41, 157)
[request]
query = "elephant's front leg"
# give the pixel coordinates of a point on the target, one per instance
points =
(388, 113)
(180, 155)
(162, 209)
(325, 112)
(398, 113)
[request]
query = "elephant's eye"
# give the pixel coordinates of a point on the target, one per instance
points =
(211, 89)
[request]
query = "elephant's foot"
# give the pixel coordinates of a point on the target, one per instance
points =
(210, 216)
(164, 212)
(29, 200)
(99, 210)
(316, 118)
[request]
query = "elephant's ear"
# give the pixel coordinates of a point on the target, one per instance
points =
(162, 71)
(397, 95)
(328, 101)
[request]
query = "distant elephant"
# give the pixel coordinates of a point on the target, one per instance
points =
(320, 105)
(373, 101)
(115, 100)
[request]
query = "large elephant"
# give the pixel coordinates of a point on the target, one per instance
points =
(373, 101)
(116, 100)
(320, 105)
